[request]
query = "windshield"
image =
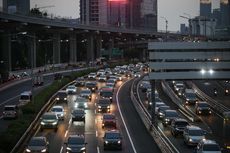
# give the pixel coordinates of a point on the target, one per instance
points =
(57, 110)
(203, 105)
(85, 92)
(196, 132)
(24, 97)
(49, 117)
(171, 114)
(37, 142)
(75, 140)
(9, 108)
(108, 117)
(211, 147)
(106, 94)
(71, 87)
(181, 124)
(104, 101)
(112, 135)
(191, 95)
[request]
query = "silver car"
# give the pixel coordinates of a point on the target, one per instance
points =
(38, 144)
(49, 120)
(193, 135)
(59, 111)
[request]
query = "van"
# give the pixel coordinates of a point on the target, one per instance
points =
(10, 111)
(25, 97)
(38, 80)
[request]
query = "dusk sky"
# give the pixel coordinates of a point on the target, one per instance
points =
(170, 9)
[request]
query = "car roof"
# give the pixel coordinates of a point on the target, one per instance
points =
(207, 141)
(26, 93)
(202, 102)
(38, 138)
(10, 106)
(180, 120)
(193, 127)
(49, 113)
(58, 107)
(112, 131)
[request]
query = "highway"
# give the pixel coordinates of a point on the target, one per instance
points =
(134, 139)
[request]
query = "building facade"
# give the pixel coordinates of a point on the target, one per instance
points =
(225, 9)
(205, 8)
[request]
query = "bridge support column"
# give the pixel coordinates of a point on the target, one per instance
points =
(5, 54)
(153, 101)
(73, 48)
(56, 48)
(90, 48)
(32, 51)
(111, 46)
(98, 46)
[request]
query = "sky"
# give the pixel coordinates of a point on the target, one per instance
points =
(169, 9)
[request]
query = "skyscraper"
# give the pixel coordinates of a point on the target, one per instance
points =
(205, 8)
(17, 6)
(225, 9)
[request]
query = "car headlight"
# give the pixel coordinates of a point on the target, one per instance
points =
(42, 123)
(167, 119)
(99, 106)
(106, 142)
(57, 98)
(43, 150)
(28, 150)
(83, 148)
(65, 98)
(119, 142)
(85, 105)
(108, 106)
(76, 105)
(160, 113)
(190, 140)
(93, 88)
(150, 103)
(110, 97)
(54, 123)
(68, 148)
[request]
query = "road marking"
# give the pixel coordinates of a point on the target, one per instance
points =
(96, 133)
(9, 100)
(95, 111)
(98, 150)
(69, 121)
(61, 149)
(66, 132)
(122, 118)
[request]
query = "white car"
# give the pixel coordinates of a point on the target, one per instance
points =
(71, 89)
(92, 76)
(207, 146)
(59, 111)
(81, 102)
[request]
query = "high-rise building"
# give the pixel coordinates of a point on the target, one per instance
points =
(122, 13)
(225, 9)
(216, 14)
(16, 6)
(205, 8)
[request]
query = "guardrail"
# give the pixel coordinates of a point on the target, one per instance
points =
(162, 142)
(220, 108)
(187, 112)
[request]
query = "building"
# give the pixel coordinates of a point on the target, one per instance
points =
(16, 6)
(205, 8)
(202, 26)
(217, 15)
(225, 9)
(120, 13)
(184, 30)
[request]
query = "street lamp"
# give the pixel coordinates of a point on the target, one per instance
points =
(166, 26)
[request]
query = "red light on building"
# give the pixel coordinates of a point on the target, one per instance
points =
(124, 1)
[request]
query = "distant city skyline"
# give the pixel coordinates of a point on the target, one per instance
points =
(188, 8)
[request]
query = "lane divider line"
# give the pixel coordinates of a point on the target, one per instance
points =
(122, 118)
(98, 150)
(61, 149)
(66, 132)
(96, 133)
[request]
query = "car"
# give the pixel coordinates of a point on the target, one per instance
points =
(59, 111)
(25, 97)
(128, 73)
(61, 96)
(38, 144)
(179, 87)
(161, 110)
(76, 144)
(58, 76)
(109, 121)
(193, 135)
(92, 76)
(102, 78)
(86, 93)
(111, 82)
(144, 85)
(71, 89)
(80, 82)
(137, 74)
(113, 77)
(92, 85)
(190, 96)
(103, 105)
(100, 72)
(119, 77)
(78, 115)
(10, 112)
(208, 146)
(81, 102)
(202, 107)
(168, 116)
(112, 140)
(106, 93)
(158, 104)
(49, 120)
(178, 125)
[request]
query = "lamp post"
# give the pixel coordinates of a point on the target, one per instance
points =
(166, 26)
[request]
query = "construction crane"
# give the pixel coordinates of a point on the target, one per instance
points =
(184, 17)
(42, 7)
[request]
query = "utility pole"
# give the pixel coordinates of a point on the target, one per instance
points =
(166, 27)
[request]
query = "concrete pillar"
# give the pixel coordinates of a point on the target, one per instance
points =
(33, 51)
(73, 48)
(6, 52)
(111, 46)
(98, 46)
(90, 48)
(153, 116)
(56, 48)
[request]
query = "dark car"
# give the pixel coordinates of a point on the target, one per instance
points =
(76, 144)
(202, 107)
(168, 116)
(107, 93)
(112, 140)
(58, 76)
(38, 144)
(178, 125)
(49, 120)
(78, 115)
(92, 85)
(161, 110)
(61, 96)
(80, 81)
(103, 105)
(86, 93)
(109, 121)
